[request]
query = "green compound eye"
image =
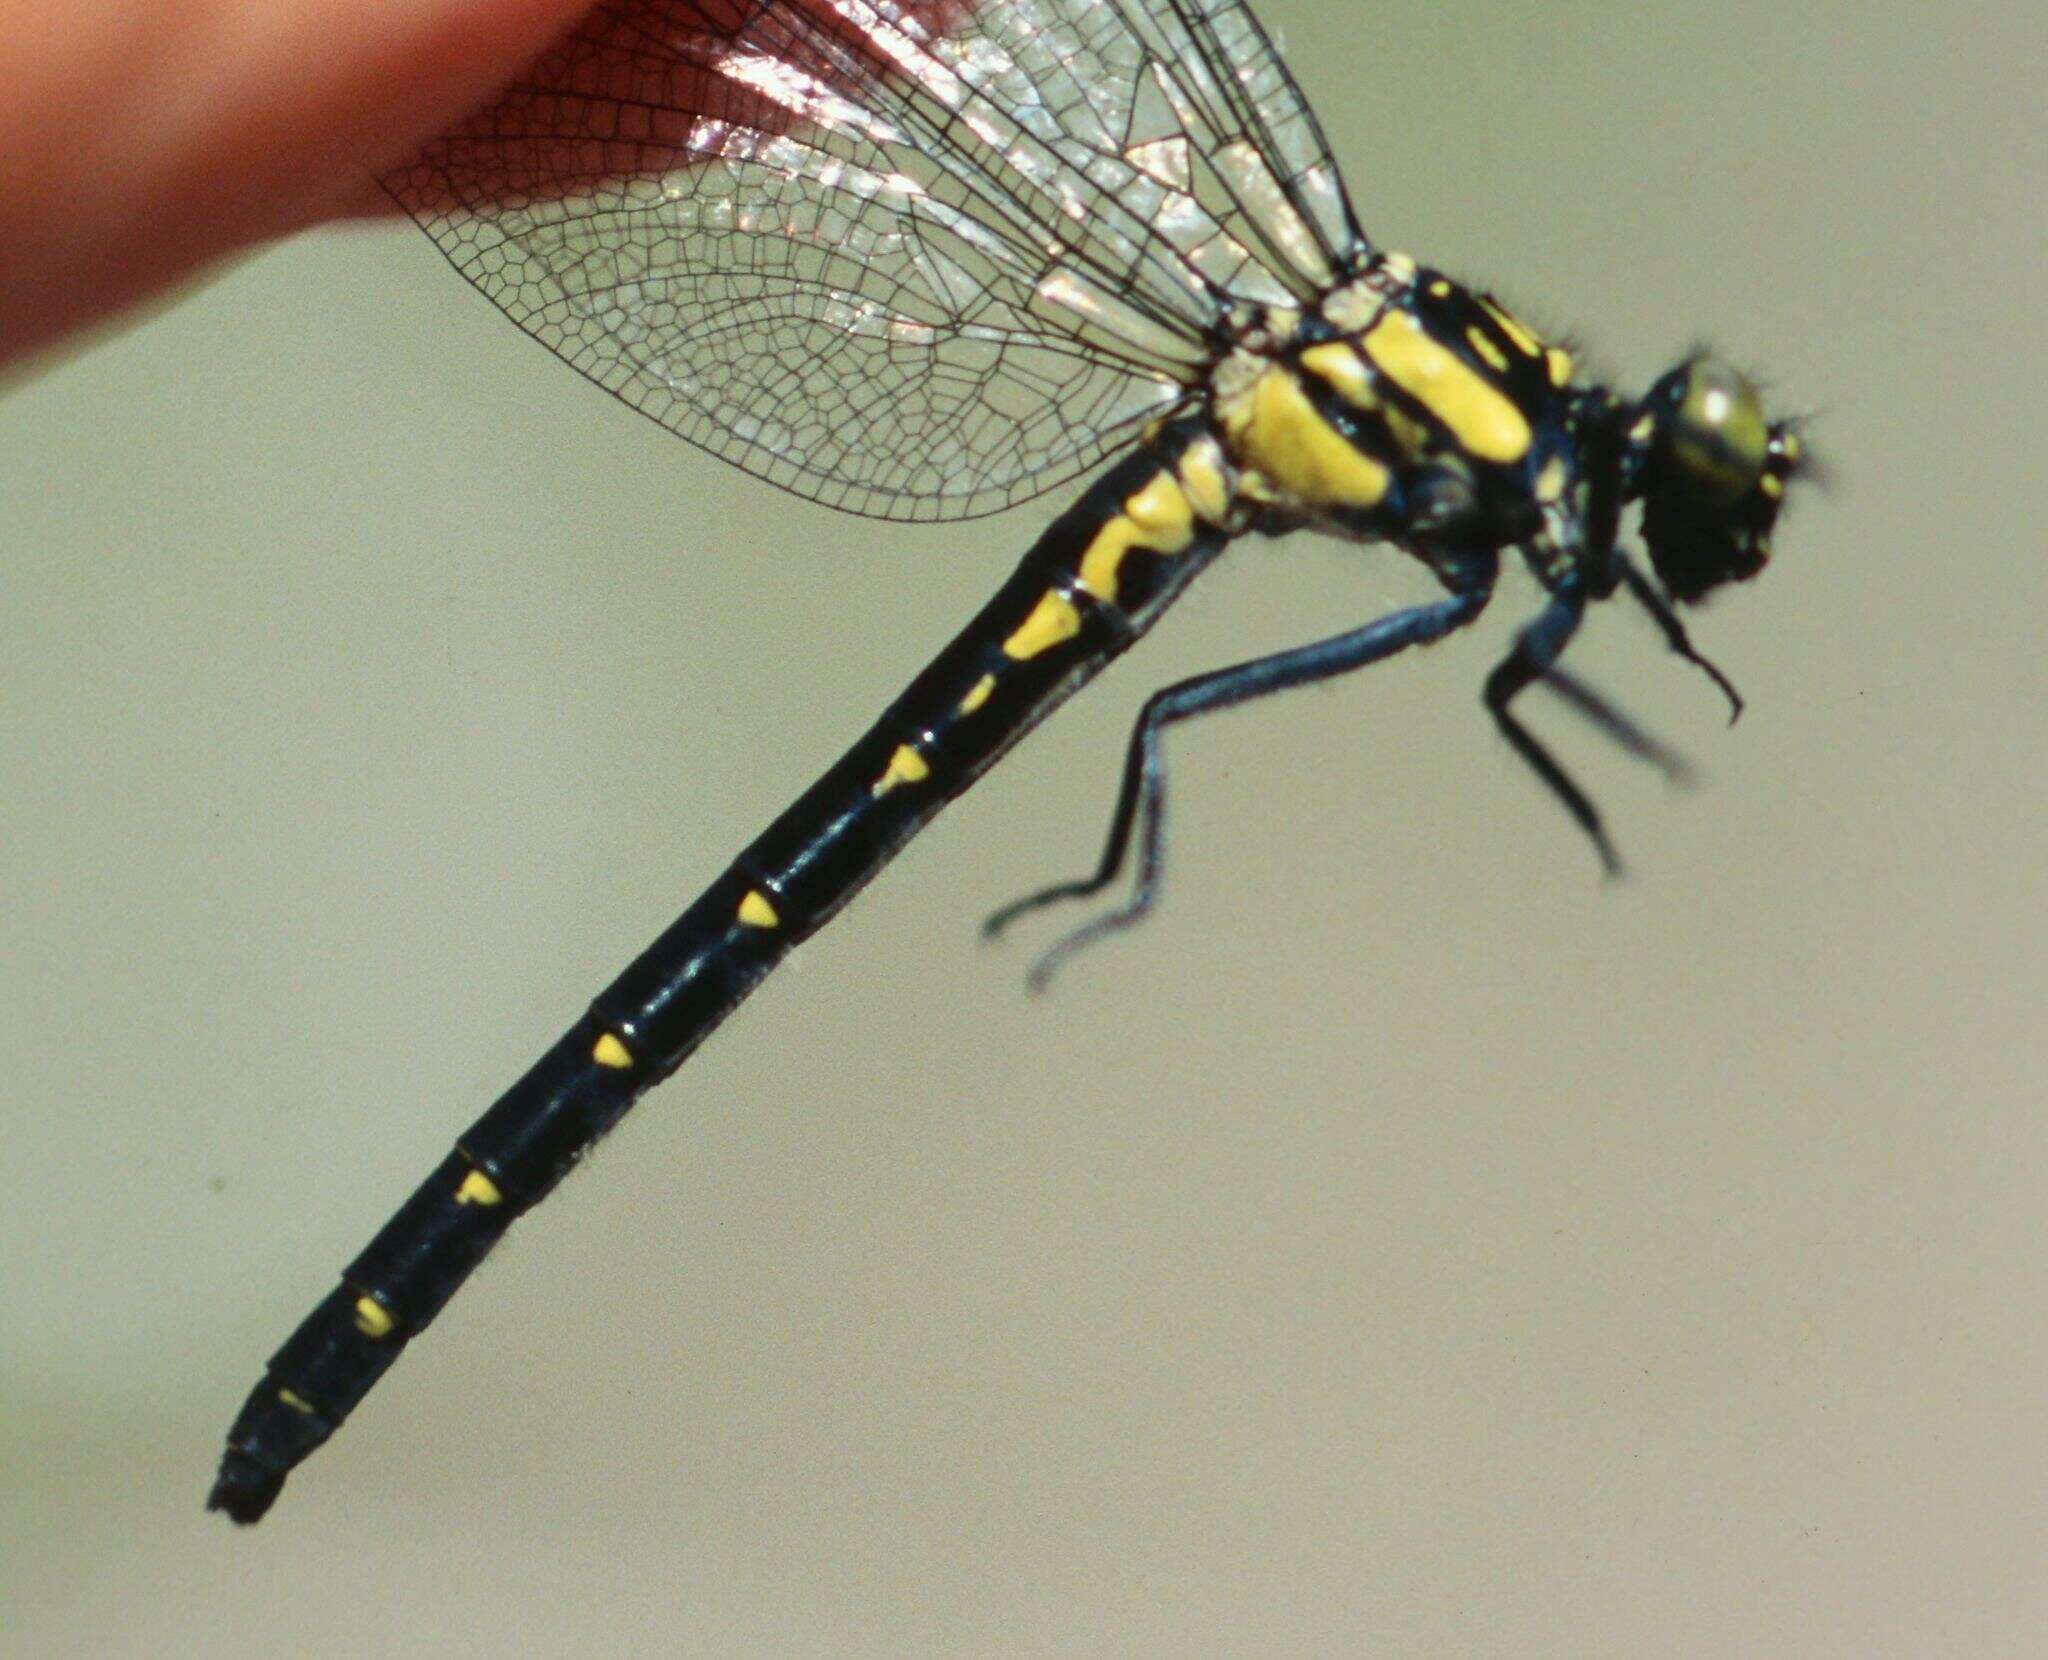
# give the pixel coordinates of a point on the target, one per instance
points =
(1717, 435)
(1713, 477)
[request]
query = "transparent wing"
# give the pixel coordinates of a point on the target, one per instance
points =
(918, 259)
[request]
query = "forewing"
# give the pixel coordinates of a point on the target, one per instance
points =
(913, 258)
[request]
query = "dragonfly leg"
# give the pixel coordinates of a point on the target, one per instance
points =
(1141, 798)
(1140, 759)
(1617, 724)
(1534, 657)
(1644, 592)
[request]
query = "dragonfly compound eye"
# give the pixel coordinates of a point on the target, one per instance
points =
(1713, 479)
(1716, 435)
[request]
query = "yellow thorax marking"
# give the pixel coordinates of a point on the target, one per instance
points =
(906, 766)
(978, 694)
(1203, 479)
(1337, 364)
(1157, 518)
(1352, 307)
(1480, 417)
(609, 1051)
(1415, 437)
(1525, 341)
(1280, 436)
(756, 911)
(478, 1189)
(1496, 359)
(1561, 366)
(1053, 621)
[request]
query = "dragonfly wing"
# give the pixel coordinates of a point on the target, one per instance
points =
(919, 259)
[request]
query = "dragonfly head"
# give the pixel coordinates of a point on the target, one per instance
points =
(1711, 469)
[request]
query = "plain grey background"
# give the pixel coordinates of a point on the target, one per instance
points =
(1407, 1244)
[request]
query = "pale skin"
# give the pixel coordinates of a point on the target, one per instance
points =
(143, 141)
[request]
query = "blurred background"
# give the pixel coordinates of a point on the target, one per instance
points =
(1407, 1243)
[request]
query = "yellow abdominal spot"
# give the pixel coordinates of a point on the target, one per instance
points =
(906, 766)
(1480, 417)
(1105, 555)
(756, 912)
(609, 1051)
(478, 1189)
(293, 1399)
(1053, 621)
(1308, 461)
(1162, 511)
(1157, 519)
(373, 1319)
(982, 690)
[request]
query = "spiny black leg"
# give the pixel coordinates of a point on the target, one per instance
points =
(1645, 594)
(1137, 758)
(1617, 725)
(1535, 654)
(1149, 815)
(1141, 800)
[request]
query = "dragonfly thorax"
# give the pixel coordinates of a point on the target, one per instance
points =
(1403, 408)
(1410, 409)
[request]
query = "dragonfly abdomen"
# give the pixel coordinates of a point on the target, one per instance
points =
(1087, 589)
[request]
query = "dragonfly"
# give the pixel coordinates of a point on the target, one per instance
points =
(927, 260)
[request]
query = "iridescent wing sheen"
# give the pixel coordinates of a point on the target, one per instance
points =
(919, 259)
